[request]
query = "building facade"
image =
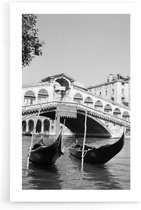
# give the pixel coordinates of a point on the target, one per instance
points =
(116, 89)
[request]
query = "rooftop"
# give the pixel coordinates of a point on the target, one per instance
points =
(112, 79)
(47, 79)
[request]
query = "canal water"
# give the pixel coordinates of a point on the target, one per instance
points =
(66, 173)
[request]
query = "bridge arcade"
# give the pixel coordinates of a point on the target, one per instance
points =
(47, 91)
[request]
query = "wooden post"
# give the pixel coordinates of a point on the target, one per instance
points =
(57, 124)
(62, 144)
(31, 143)
(85, 132)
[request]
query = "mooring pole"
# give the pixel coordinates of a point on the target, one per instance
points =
(31, 143)
(83, 149)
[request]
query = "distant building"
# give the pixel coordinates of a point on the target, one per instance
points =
(117, 89)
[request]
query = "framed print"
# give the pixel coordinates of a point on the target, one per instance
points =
(71, 101)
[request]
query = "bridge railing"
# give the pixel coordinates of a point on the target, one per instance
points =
(103, 114)
(83, 107)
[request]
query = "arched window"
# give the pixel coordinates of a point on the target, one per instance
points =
(126, 116)
(117, 112)
(38, 126)
(98, 105)
(78, 98)
(63, 82)
(24, 126)
(46, 125)
(29, 97)
(30, 125)
(88, 101)
(42, 95)
(108, 108)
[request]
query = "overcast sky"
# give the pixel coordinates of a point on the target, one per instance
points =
(85, 47)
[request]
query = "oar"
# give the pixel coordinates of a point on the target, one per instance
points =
(31, 143)
(85, 131)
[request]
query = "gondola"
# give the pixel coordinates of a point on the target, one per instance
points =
(99, 155)
(46, 155)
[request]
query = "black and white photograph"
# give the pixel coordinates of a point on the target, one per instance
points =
(74, 110)
(75, 101)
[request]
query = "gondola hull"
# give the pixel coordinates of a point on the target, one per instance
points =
(99, 155)
(47, 155)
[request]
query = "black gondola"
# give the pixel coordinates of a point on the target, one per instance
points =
(46, 155)
(99, 155)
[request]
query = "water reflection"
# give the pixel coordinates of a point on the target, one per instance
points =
(97, 176)
(66, 173)
(41, 177)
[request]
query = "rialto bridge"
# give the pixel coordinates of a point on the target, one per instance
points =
(104, 118)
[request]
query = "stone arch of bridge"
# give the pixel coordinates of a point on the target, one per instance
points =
(126, 116)
(42, 95)
(46, 125)
(95, 128)
(117, 112)
(29, 97)
(88, 101)
(108, 108)
(64, 82)
(102, 102)
(30, 125)
(39, 126)
(78, 97)
(98, 105)
(29, 122)
(24, 125)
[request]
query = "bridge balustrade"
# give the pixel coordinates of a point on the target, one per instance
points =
(92, 111)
